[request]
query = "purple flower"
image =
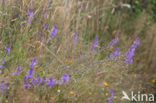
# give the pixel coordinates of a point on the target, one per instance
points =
(45, 12)
(50, 82)
(45, 79)
(111, 96)
(6, 87)
(30, 15)
(53, 31)
(33, 82)
(115, 53)
(114, 41)
(30, 12)
(38, 80)
(76, 37)
(65, 78)
(30, 73)
(34, 61)
(2, 66)
(131, 50)
(95, 43)
(7, 50)
(1, 86)
(4, 62)
(18, 70)
(38, 33)
(26, 84)
(45, 26)
(43, 36)
(98, 69)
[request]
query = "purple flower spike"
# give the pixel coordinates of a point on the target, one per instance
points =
(76, 37)
(114, 41)
(45, 26)
(1, 86)
(33, 82)
(65, 78)
(4, 62)
(18, 70)
(6, 87)
(53, 31)
(30, 11)
(115, 53)
(45, 13)
(34, 62)
(43, 36)
(38, 33)
(7, 50)
(45, 79)
(131, 50)
(95, 43)
(26, 84)
(30, 73)
(30, 15)
(111, 96)
(38, 80)
(98, 69)
(2, 66)
(50, 82)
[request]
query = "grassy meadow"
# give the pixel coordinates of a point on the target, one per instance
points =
(76, 51)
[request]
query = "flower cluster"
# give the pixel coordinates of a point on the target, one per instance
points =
(49, 82)
(37, 81)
